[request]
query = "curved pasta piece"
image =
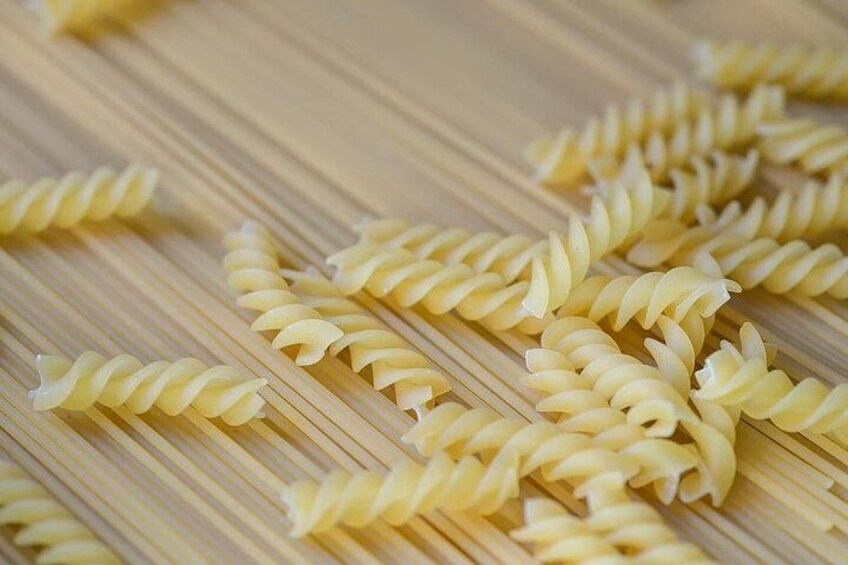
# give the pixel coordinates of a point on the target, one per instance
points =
(169, 386)
(75, 15)
(393, 361)
(45, 523)
(65, 202)
(254, 271)
(407, 490)
(810, 72)
(817, 148)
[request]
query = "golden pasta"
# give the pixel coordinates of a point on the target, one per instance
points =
(65, 202)
(74, 15)
(254, 271)
(171, 387)
(46, 524)
(815, 147)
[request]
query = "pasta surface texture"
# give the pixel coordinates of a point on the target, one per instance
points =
(815, 147)
(172, 387)
(65, 202)
(46, 524)
(254, 270)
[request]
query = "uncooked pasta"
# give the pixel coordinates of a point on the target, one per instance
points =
(813, 146)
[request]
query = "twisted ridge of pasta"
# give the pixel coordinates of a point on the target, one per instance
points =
(75, 197)
(804, 71)
(254, 270)
(59, 15)
(393, 361)
(125, 381)
(739, 376)
(408, 489)
(553, 266)
(45, 523)
(815, 147)
(563, 158)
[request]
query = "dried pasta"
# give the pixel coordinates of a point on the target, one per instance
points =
(408, 489)
(739, 376)
(65, 15)
(808, 72)
(393, 361)
(817, 148)
(65, 202)
(254, 271)
(45, 523)
(171, 387)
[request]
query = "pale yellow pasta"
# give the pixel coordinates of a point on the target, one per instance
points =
(74, 15)
(553, 266)
(739, 376)
(172, 387)
(810, 72)
(254, 270)
(393, 361)
(407, 490)
(67, 201)
(560, 159)
(816, 147)
(45, 524)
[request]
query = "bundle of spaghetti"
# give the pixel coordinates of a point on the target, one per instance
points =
(75, 15)
(740, 376)
(563, 158)
(45, 523)
(172, 387)
(254, 270)
(816, 147)
(77, 196)
(393, 361)
(407, 490)
(810, 72)
(595, 440)
(553, 266)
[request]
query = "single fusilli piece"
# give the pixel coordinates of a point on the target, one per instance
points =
(65, 202)
(393, 361)
(254, 270)
(407, 490)
(739, 376)
(816, 147)
(125, 381)
(46, 524)
(818, 72)
(75, 15)
(563, 158)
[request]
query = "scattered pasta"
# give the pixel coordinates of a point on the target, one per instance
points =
(171, 387)
(817, 148)
(65, 202)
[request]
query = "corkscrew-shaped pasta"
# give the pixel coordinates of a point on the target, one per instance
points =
(407, 490)
(816, 147)
(45, 523)
(65, 202)
(125, 381)
(553, 266)
(818, 72)
(739, 376)
(61, 15)
(563, 158)
(393, 361)
(254, 270)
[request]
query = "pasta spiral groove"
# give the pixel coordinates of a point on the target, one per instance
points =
(46, 523)
(126, 381)
(75, 197)
(815, 147)
(254, 270)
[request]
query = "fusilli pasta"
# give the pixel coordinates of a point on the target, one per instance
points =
(815, 147)
(45, 523)
(254, 270)
(125, 381)
(65, 202)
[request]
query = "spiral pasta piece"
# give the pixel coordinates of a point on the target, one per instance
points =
(75, 15)
(172, 387)
(739, 376)
(75, 197)
(561, 159)
(809, 72)
(254, 271)
(393, 361)
(407, 490)
(817, 148)
(45, 523)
